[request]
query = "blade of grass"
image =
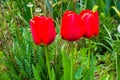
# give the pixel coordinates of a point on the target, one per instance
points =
(35, 72)
(108, 32)
(66, 66)
(118, 66)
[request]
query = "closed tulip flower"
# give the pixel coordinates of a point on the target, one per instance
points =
(71, 28)
(43, 30)
(90, 22)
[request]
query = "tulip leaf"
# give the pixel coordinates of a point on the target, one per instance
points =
(35, 72)
(95, 8)
(66, 66)
(53, 74)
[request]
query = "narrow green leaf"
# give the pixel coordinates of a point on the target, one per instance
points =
(95, 7)
(101, 44)
(66, 66)
(108, 32)
(52, 74)
(49, 6)
(116, 10)
(118, 66)
(35, 72)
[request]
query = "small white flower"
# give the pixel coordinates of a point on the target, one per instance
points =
(29, 4)
(38, 10)
(118, 28)
(50, 2)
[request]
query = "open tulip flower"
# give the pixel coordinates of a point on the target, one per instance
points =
(71, 28)
(90, 22)
(43, 30)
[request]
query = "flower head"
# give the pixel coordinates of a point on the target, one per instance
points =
(71, 28)
(90, 22)
(43, 30)
(29, 4)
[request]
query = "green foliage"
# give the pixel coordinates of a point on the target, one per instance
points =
(66, 63)
(37, 77)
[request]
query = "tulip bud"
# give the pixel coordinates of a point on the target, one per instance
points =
(90, 22)
(71, 28)
(43, 30)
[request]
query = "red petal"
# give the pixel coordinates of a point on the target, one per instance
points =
(90, 22)
(36, 34)
(97, 24)
(49, 33)
(71, 29)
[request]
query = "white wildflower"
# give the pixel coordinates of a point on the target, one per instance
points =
(118, 28)
(38, 10)
(50, 2)
(29, 4)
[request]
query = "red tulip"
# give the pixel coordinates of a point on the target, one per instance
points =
(90, 22)
(43, 30)
(71, 28)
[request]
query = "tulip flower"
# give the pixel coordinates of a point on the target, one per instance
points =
(43, 30)
(90, 22)
(71, 28)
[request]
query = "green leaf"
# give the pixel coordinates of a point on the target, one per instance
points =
(101, 44)
(66, 66)
(35, 72)
(107, 31)
(116, 10)
(95, 7)
(86, 75)
(118, 66)
(107, 7)
(53, 74)
(49, 6)
(78, 74)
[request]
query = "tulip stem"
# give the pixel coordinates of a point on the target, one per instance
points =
(89, 53)
(90, 62)
(72, 50)
(71, 65)
(47, 61)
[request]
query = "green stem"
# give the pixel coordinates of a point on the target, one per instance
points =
(72, 51)
(89, 53)
(31, 12)
(47, 61)
(92, 67)
(90, 62)
(72, 65)
(118, 66)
